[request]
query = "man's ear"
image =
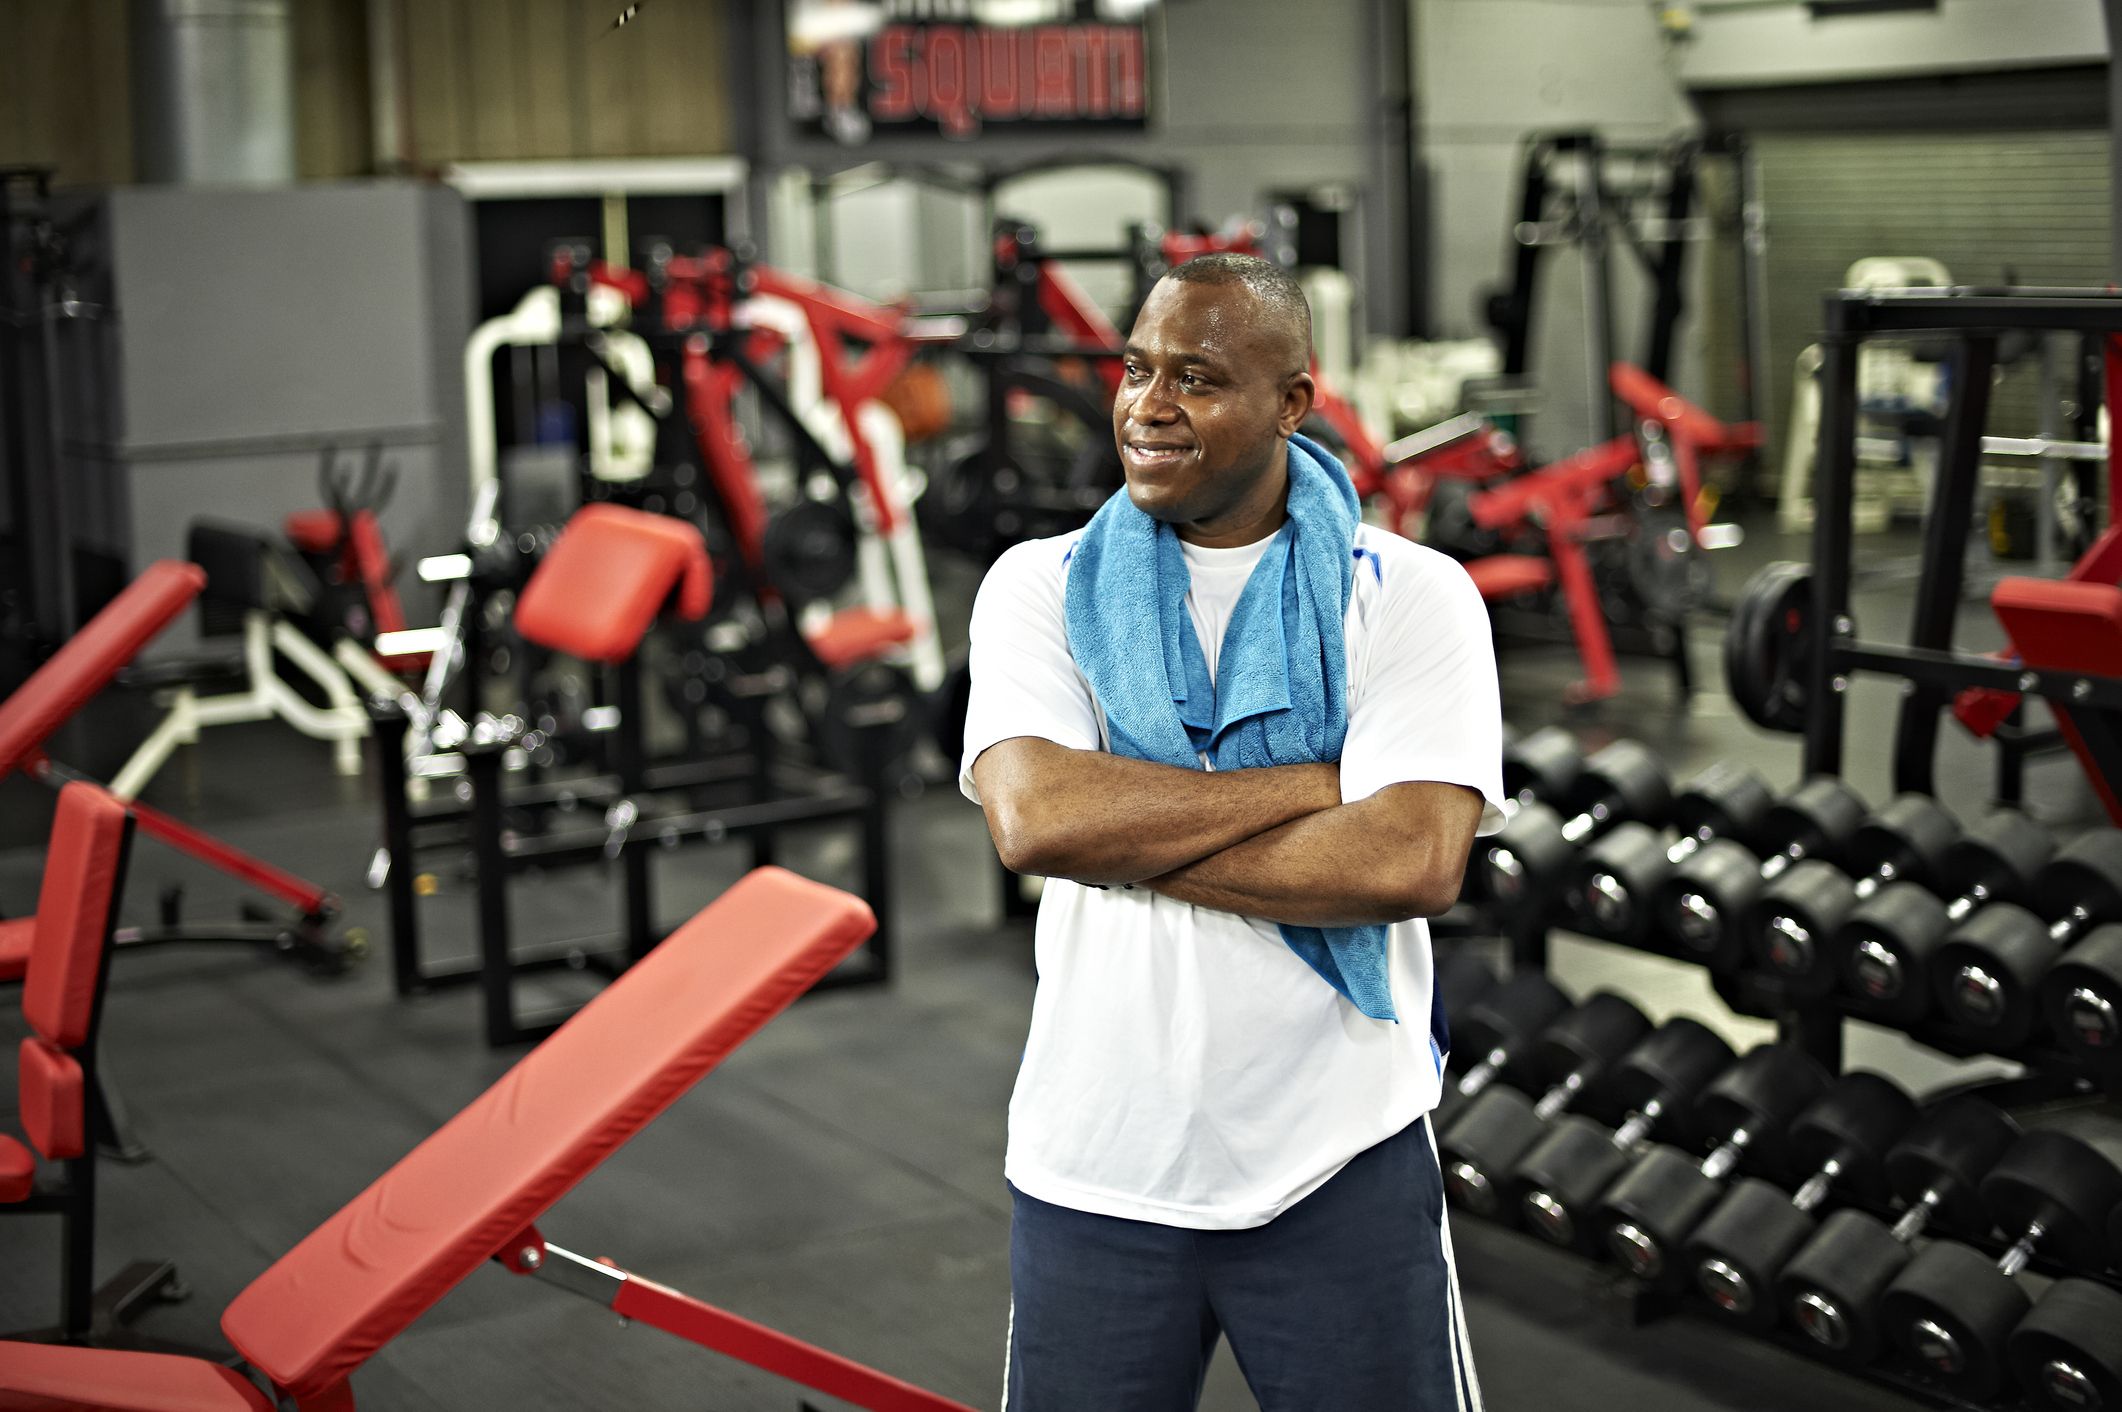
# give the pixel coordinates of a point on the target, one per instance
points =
(1297, 395)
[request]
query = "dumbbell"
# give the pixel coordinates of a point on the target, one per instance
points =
(1838, 1144)
(1528, 858)
(1701, 908)
(1463, 977)
(1990, 973)
(2082, 998)
(1792, 923)
(1498, 1031)
(1544, 765)
(1890, 942)
(1561, 1177)
(1647, 1214)
(2067, 1353)
(1829, 1289)
(1489, 1134)
(1611, 885)
(1951, 1309)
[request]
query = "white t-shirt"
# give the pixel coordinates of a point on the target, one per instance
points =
(1184, 1065)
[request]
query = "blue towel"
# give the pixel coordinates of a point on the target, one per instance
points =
(1282, 697)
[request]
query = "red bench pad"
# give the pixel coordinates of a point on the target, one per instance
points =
(15, 936)
(54, 1099)
(37, 1377)
(353, 1283)
(857, 635)
(81, 867)
(597, 593)
(1509, 575)
(92, 656)
(18, 1173)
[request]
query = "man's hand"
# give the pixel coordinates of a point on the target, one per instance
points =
(1103, 819)
(1400, 853)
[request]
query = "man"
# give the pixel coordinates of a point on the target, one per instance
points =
(1218, 1126)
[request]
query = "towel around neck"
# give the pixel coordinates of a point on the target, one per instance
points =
(1280, 694)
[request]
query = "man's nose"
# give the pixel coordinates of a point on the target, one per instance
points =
(1154, 403)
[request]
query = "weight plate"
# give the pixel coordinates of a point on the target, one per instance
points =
(1768, 647)
(810, 549)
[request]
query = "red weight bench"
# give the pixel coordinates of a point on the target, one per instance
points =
(65, 1113)
(474, 1190)
(2076, 628)
(87, 663)
(1693, 434)
(1562, 498)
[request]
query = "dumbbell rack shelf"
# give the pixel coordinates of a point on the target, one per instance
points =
(2051, 1070)
(1637, 1305)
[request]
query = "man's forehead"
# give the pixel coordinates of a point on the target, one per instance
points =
(1219, 317)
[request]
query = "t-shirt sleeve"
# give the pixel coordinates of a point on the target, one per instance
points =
(1023, 680)
(1427, 707)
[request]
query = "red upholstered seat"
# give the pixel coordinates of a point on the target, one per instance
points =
(92, 656)
(55, 1378)
(18, 1170)
(1509, 575)
(857, 635)
(81, 869)
(384, 1258)
(597, 593)
(15, 934)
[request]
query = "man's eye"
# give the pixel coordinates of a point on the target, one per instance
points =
(1134, 372)
(1192, 382)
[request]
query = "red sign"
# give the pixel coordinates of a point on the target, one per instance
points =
(962, 79)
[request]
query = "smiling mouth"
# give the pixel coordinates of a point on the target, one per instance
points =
(1148, 456)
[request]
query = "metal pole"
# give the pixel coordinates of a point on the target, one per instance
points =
(1834, 482)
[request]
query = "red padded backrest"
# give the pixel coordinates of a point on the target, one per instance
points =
(92, 656)
(385, 1257)
(2062, 626)
(599, 589)
(54, 1113)
(82, 867)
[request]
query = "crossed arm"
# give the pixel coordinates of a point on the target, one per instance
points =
(1275, 843)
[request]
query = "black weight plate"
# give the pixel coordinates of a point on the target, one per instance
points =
(809, 549)
(1768, 647)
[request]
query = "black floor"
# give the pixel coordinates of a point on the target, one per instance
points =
(840, 1177)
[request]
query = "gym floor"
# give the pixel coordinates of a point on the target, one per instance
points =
(840, 1176)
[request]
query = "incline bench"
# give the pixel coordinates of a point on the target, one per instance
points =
(473, 1191)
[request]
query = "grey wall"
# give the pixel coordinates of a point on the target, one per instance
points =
(1251, 96)
(256, 328)
(1486, 73)
(1773, 44)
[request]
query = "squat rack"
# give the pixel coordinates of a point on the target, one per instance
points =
(1975, 319)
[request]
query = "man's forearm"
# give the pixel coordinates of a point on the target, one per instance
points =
(1355, 865)
(1100, 818)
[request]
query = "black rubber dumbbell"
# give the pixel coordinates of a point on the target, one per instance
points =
(2067, 1352)
(1838, 1145)
(1791, 926)
(1829, 1289)
(1990, 971)
(1544, 765)
(1488, 1136)
(2082, 997)
(1530, 856)
(1497, 1032)
(1952, 1308)
(1558, 1182)
(1651, 1209)
(1463, 977)
(1611, 885)
(1889, 944)
(1701, 908)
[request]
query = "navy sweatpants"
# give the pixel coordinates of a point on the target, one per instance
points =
(1348, 1300)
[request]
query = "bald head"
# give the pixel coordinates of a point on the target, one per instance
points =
(1284, 326)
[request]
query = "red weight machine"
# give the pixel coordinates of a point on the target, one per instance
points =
(474, 1191)
(83, 667)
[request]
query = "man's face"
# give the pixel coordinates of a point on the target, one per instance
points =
(1205, 404)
